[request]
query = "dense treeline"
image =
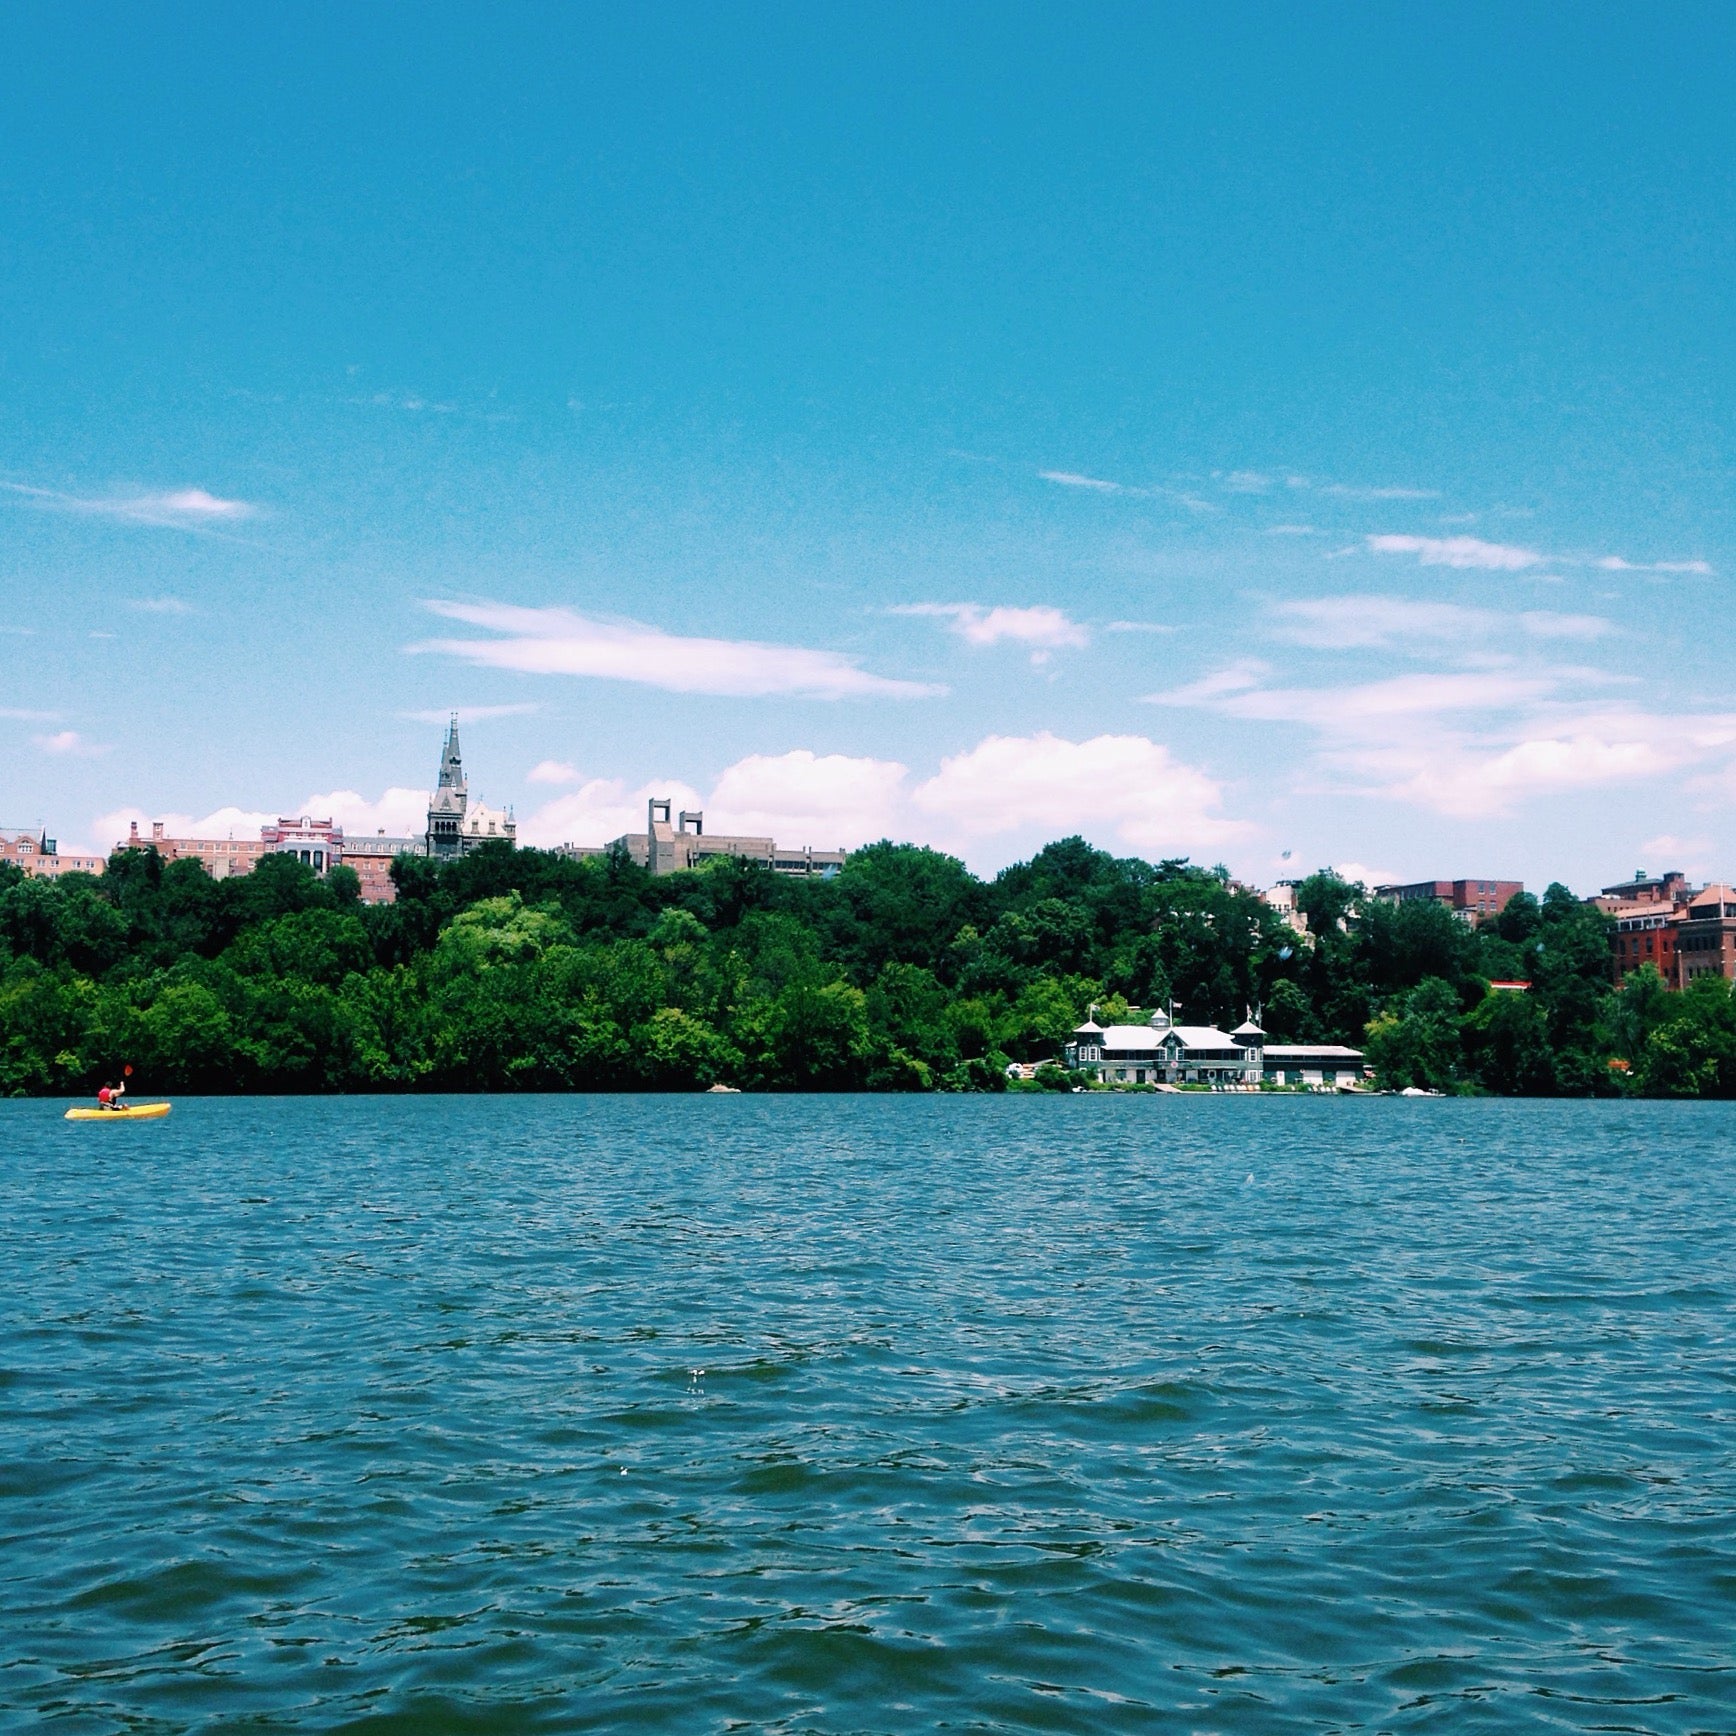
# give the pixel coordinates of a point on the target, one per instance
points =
(521, 970)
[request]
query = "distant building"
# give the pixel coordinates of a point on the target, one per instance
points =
(370, 856)
(1282, 898)
(38, 855)
(456, 825)
(669, 845)
(1668, 889)
(223, 858)
(1645, 934)
(1646, 922)
(1472, 901)
(1706, 936)
(318, 843)
(1161, 1052)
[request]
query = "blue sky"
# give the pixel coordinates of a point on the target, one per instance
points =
(1227, 431)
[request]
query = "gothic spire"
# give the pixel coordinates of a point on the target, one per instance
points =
(451, 760)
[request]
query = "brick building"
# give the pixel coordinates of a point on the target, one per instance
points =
(1471, 901)
(38, 855)
(1706, 936)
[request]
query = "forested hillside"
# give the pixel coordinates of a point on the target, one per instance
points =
(521, 970)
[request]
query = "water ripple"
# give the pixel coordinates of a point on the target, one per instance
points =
(841, 1415)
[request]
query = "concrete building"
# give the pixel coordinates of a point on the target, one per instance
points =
(456, 825)
(1472, 901)
(671, 843)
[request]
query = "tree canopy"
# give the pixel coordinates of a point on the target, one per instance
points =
(526, 970)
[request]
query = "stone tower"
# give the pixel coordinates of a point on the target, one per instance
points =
(451, 799)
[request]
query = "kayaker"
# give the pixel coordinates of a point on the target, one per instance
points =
(109, 1097)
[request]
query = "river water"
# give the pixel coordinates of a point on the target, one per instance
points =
(856, 1414)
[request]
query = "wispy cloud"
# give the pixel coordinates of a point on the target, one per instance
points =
(1246, 482)
(1357, 622)
(1072, 479)
(159, 606)
(175, 508)
(1615, 564)
(1139, 627)
(1237, 677)
(27, 716)
(1476, 744)
(1359, 708)
(1347, 491)
(469, 713)
(1038, 625)
(70, 742)
(563, 642)
(1457, 551)
(1291, 530)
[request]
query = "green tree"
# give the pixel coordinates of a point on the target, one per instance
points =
(1416, 1041)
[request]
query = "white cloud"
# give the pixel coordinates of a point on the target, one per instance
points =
(1039, 624)
(552, 772)
(70, 742)
(1457, 551)
(1247, 482)
(25, 715)
(176, 508)
(562, 642)
(399, 812)
(1615, 564)
(828, 800)
(227, 822)
(600, 811)
(1125, 791)
(1071, 479)
(1354, 622)
(1291, 530)
(1139, 627)
(1123, 783)
(1471, 785)
(108, 830)
(159, 606)
(468, 713)
(1359, 873)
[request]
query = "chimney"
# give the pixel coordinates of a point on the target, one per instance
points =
(156, 830)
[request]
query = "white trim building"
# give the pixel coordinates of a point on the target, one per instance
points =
(1161, 1052)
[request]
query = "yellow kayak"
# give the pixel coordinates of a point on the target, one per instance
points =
(132, 1112)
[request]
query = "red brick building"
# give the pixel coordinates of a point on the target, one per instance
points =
(1706, 936)
(1472, 900)
(1645, 934)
